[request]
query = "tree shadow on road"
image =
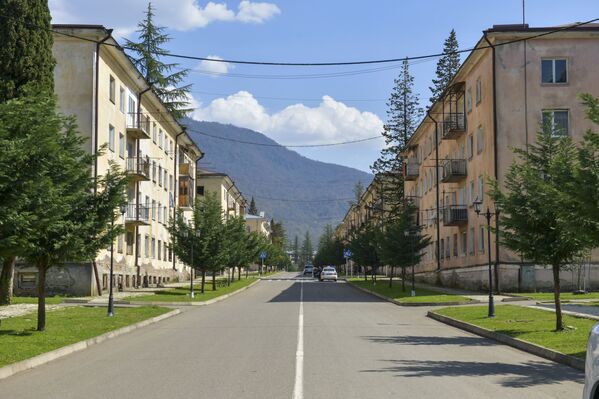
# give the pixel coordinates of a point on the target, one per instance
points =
(315, 291)
(421, 340)
(523, 375)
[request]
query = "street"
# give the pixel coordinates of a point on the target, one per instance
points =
(354, 346)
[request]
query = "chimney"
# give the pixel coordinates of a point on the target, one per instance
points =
(262, 214)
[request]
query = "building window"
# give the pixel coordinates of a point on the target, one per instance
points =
(554, 71)
(111, 138)
(472, 241)
(479, 140)
(153, 209)
(447, 248)
(159, 212)
(455, 245)
(479, 91)
(464, 243)
(160, 138)
(163, 250)
(165, 179)
(154, 129)
(471, 194)
(557, 121)
(119, 244)
(153, 249)
(469, 101)
(147, 246)
(170, 183)
(170, 254)
(200, 190)
(159, 250)
(129, 239)
(470, 146)
(481, 188)
(172, 149)
(122, 99)
(138, 245)
(442, 250)
(481, 241)
(122, 145)
(160, 175)
(112, 89)
(154, 171)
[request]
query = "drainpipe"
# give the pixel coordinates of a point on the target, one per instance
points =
(175, 186)
(495, 167)
(428, 113)
(137, 192)
(96, 99)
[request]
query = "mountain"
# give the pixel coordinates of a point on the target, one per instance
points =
(279, 179)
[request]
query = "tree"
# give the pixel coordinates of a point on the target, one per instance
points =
(536, 211)
(26, 65)
(363, 246)
(306, 251)
(295, 250)
(165, 78)
(447, 67)
(330, 249)
(358, 192)
(25, 53)
(403, 116)
(253, 210)
(277, 234)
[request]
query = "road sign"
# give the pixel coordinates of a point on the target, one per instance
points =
(347, 253)
(263, 255)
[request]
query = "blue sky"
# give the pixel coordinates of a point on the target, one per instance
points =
(316, 110)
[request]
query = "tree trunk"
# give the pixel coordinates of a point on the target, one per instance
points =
(559, 325)
(203, 281)
(6, 280)
(365, 274)
(97, 276)
(232, 274)
(239, 273)
(247, 272)
(403, 279)
(391, 278)
(41, 296)
(213, 280)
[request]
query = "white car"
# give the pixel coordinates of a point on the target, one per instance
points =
(328, 273)
(591, 369)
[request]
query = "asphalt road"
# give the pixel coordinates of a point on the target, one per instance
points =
(354, 346)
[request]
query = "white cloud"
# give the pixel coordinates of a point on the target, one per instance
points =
(175, 14)
(214, 67)
(330, 121)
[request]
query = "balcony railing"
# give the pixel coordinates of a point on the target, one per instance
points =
(139, 168)
(185, 201)
(185, 169)
(454, 170)
(137, 214)
(411, 169)
(454, 125)
(138, 125)
(455, 215)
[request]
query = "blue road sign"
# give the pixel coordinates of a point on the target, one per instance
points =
(263, 255)
(347, 253)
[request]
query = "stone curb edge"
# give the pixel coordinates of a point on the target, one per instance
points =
(413, 304)
(534, 349)
(567, 312)
(47, 357)
(208, 302)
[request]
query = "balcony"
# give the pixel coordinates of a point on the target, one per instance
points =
(137, 215)
(138, 168)
(185, 169)
(138, 126)
(411, 169)
(455, 215)
(454, 170)
(185, 202)
(454, 125)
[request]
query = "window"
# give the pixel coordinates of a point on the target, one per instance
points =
(479, 91)
(554, 71)
(172, 149)
(147, 246)
(471, 244)
(111, 138)
(479, 140)
(119, 244)
(122, 99)
(153, 249)
(159, 212)
(455, 245)
(471, 194)
(154, 171)
(111, 89)
(557, 121)
(154, 132)
(129, 239)
(170, 182)
(464, 243)
(122, 145)
(469, 100)
(159, 249)
(138, 245)
(481, 240)
(170, 253)
(447, 248)
(481, 188)
(163, 250)
(160, 175)
(442, 250)
(153, 209)
(470, 146)
(165, 179)
(200, 190)
(160, 138)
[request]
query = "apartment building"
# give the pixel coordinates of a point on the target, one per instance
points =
(231, 199)
(258, 223)
(516, 78)
(125, 122)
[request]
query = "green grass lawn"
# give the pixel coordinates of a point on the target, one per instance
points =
(51, 300)
(19, 340)
(565, 296)
(395, 292)
(181, 294)
(532, 325)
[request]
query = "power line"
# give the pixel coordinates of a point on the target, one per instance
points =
(304, 201)
(293, 98)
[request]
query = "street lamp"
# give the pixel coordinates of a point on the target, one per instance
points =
(488, 214)
(123, 209)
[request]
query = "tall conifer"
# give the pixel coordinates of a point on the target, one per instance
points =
(447, 67)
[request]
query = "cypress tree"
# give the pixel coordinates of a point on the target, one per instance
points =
(447, 67)
(253, 210)
(25, 51)
(165, 78)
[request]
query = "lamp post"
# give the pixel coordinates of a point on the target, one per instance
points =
(488, 214)
(123, 209)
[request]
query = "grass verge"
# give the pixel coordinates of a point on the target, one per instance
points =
(51, 300)
(395, 292)
(532, 325)
(20, 341)
(565, 296)
(181, 294)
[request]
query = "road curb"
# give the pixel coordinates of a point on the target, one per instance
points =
(534, 349)
(411, 304)
(567, 312)
(47, 357)
(204, 303)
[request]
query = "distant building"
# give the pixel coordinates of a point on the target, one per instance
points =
(258, 223)
(231, 199)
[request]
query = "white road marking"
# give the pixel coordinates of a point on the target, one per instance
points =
(298, 389)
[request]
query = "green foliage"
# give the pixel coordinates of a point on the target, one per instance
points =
(363, 246)
(306, 251)
(253, 210)
(277, 234)
(447, 66)
(330, 249)
(165, 78)
(26, 59)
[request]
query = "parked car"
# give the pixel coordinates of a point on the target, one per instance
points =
(308, 270)
(591, 369)
(328, 273)
(316, 272)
